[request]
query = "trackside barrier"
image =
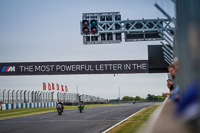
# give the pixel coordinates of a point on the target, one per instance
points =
(39, 97)
(163, 120)
(27, 105)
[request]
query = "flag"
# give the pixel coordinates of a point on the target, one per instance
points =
(44, 86)
(53, 88)
(49, 86)
(57, 86)
(66, 90)
(62, 87)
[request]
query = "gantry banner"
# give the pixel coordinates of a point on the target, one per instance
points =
(74, 67)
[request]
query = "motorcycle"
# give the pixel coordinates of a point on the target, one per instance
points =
(81, 107)
(59, 109)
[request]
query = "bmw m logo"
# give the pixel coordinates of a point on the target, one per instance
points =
(8, 69)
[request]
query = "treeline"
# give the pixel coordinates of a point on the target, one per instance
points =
(149, 98)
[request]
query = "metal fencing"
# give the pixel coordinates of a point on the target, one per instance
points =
(25, 96)
(67, 97)
(92, 99)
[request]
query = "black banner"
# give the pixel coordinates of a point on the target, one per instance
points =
(74, 67)
(157, 64)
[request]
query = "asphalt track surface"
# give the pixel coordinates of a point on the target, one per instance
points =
(92, 120)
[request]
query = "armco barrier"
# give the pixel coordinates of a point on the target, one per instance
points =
(27, 105)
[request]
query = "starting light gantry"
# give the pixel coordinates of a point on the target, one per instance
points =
(107, 27)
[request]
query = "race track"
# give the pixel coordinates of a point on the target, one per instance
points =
(92, 120)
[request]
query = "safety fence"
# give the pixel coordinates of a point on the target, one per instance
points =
(92, 99)
(13, 99)
(24, 96)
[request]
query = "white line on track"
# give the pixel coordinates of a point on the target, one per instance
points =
(121, 121)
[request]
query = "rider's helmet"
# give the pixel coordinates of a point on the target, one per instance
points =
(81, 102)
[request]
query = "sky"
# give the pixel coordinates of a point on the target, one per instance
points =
(49, 30)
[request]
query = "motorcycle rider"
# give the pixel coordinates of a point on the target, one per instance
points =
(62, 105)
(81, 103)
(80, 106)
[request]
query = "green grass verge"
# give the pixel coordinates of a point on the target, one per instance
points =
(4, 114)
(133, 124)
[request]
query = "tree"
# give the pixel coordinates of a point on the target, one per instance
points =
(127, 98)
(155, 98)
(142, 99)
(137, 98)
(161, 98)
(149, 97)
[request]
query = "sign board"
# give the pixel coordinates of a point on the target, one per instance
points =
(74, 67)
(156, 60)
